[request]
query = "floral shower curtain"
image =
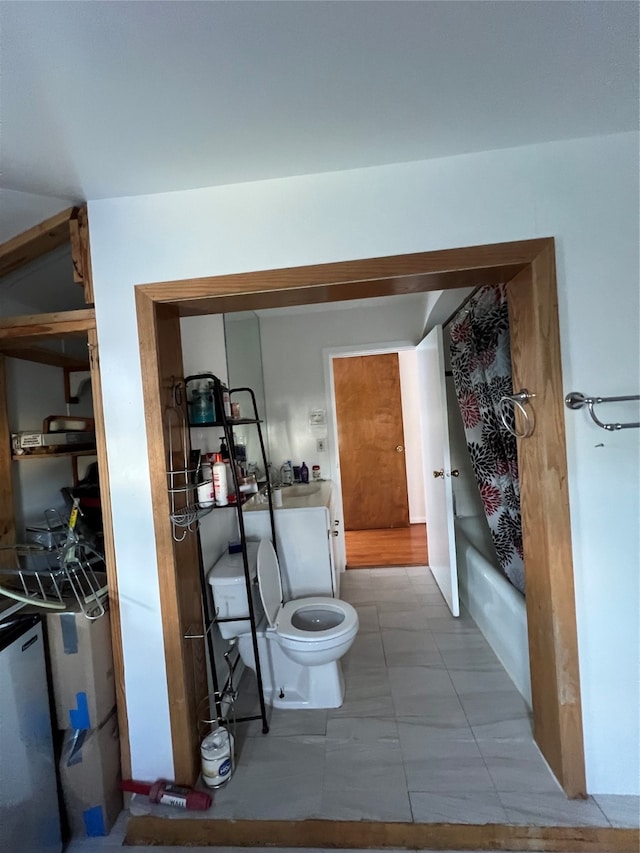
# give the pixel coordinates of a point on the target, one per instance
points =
(481, 365)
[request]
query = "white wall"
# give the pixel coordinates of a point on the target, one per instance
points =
(582, 192)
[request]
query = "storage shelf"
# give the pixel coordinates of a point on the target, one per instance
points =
(230, 422)
(182, 481)
(46, 453)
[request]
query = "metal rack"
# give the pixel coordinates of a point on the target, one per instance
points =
(227, 424)
(66, 578)
(185, 511)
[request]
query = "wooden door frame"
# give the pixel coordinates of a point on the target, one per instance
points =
(20, 337)
(528, 266)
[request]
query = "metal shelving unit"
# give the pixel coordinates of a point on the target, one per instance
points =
(180, 518)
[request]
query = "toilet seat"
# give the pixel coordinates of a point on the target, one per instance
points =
(295, 621)
(287, 629)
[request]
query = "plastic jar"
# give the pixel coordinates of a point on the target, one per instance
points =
(216, 752)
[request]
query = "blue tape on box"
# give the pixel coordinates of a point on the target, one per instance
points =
(69, 633)
(79, 718)
(94, 822)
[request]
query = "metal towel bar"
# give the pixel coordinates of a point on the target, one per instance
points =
(576, 400)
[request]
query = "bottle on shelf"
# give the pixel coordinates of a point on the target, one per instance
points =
(304, 473)
(220, 486)
(286, 474)
(205, 492)
(224, 399)
(201, 403)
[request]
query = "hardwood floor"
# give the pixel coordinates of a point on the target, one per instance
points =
(398, 546)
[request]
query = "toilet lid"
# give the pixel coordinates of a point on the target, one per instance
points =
(269, 581)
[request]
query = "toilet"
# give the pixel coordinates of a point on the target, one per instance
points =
(300, 642)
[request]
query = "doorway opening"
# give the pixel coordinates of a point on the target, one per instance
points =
(378, 459)
(528, 267)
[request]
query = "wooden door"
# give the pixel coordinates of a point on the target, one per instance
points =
(371, 442)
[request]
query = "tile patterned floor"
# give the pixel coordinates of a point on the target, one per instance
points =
(432, 729)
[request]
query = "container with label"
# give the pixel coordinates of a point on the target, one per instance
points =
(216, 752)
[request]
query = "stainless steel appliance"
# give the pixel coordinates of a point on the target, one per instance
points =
(29, 813)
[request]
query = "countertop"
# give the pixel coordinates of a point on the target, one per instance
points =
(299, 496)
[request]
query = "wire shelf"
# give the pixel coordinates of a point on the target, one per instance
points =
(185, 511)
(68, 578)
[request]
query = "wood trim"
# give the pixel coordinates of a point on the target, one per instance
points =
(7, 519)
(40, 355)
(206, 832)
(110, 552)
(529, 267)
(553, 639)
(35, 327)
(180, 595)
(81, 251)
(405, 272)
(35, 242)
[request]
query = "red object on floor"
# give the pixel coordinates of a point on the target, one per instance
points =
(169, 794)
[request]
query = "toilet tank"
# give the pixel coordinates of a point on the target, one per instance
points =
(230, 592)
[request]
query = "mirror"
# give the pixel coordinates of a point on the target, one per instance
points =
(244, 370)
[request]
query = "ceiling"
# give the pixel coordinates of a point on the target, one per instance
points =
(103, 99)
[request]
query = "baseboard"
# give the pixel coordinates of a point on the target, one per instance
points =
(418, 519)
(206, 832)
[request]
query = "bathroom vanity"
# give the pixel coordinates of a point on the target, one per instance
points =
(305, 527)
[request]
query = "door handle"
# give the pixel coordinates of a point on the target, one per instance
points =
(439, 473)
(399, 448)
(454, 473)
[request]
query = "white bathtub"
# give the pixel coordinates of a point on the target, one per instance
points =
(497, 607)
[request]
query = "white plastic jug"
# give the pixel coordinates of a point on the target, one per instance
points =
(216, 752)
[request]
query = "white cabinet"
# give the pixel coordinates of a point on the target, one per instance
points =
(305, 548)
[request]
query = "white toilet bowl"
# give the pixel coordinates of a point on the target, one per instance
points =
(300, 643)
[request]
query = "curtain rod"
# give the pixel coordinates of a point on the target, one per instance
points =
(461, 306)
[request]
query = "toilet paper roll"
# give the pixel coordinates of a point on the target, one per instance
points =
(277, 497)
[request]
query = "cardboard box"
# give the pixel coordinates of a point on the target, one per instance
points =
(81, 669)
(90, 779)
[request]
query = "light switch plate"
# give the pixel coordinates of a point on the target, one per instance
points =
(321, 445)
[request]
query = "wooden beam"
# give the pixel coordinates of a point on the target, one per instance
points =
(178, 562)
(344, 291)
(7, 522)
(42, 355)
(207, 832)
(110, 554)
(81, 251)
(35, 242)
(406, 273)
(546, 529)
(35, 327)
